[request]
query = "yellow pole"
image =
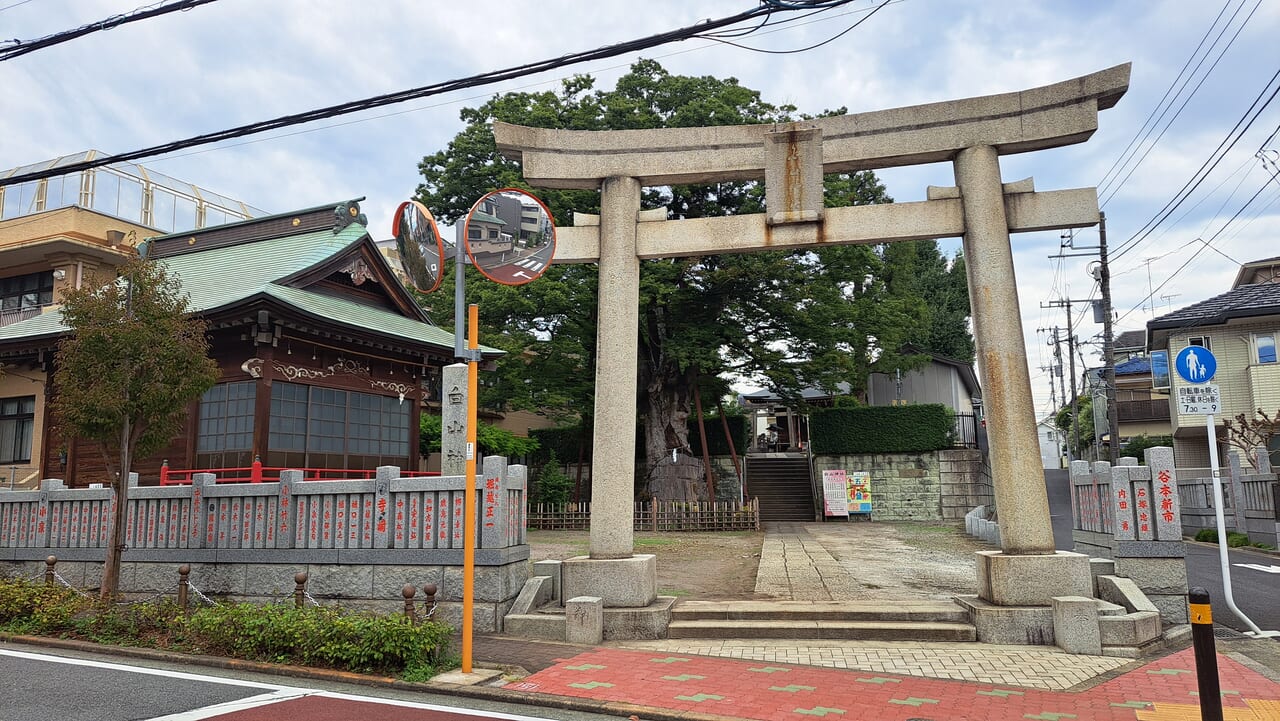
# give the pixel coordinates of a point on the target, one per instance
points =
(469, 505)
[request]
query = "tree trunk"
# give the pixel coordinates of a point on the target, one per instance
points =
(667, 398)
(120, 507)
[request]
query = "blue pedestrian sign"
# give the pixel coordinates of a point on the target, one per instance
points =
(1195, 364)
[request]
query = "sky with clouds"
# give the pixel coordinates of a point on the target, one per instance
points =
(239, 61)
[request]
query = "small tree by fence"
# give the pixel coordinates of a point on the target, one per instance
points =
(654, 516)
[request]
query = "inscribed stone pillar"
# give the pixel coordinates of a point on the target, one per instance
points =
(453, 420)
(1006, 384)
(618, 327)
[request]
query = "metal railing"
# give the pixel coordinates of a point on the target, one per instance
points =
(258, 473)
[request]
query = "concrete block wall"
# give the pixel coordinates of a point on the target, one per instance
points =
(965, 475)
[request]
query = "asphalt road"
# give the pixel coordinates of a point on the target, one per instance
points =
(1256, 593)
(38, 684)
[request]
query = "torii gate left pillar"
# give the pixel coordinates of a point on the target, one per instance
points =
(970, 133)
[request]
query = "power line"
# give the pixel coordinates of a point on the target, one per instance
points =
(1185, 101)
(1144, 131)
(14, 5)
(143, 13)
(1207, 245)
(698, 30)
(833, 38)
(1210, 163)
(776, 25)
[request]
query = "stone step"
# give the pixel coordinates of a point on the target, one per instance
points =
(903, 610)
(824, 630)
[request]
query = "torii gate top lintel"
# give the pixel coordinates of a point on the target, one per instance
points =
(1049, 116)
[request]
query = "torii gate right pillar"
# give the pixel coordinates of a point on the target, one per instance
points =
(1028, 571)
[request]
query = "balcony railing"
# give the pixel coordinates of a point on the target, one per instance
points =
(9, 317)
(1154, 410)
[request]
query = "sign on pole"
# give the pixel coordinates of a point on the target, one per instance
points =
(1195, 364)
(1199, 400)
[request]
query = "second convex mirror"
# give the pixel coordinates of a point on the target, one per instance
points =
(510, 236)
(419, 245)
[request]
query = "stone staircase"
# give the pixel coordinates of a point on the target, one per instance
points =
(906, 620)
(782, 483)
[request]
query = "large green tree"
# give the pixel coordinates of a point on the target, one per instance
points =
(919, 269)
(133, 361)
(789, 320)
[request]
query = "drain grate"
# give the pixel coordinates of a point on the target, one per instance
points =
(1227, 633)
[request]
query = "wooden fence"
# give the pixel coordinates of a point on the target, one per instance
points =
(655, 516)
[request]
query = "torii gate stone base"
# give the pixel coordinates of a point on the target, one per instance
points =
(971, 134)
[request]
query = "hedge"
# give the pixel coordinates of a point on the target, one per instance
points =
(881, 429)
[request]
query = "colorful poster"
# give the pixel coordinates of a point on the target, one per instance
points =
(858, 490)
(834, 502)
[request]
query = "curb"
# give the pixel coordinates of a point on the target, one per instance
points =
(486, 693)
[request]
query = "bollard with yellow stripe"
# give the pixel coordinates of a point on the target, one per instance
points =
(1201, 614)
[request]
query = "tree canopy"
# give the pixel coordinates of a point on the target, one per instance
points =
(787, 320)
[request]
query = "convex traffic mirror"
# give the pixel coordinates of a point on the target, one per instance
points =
(510, 236)
(419, 245)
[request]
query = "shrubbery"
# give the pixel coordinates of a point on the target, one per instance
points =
(1234, 540)
(882, 429)
(323, 637)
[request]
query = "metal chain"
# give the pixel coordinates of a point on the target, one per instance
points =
(430, 612)
(310, 599)
(58, 577)
(200, 594)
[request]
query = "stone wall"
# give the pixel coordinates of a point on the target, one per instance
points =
(966, 482)
(904, 486)
(365, 586)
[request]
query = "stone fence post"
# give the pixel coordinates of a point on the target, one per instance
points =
(1148, 530)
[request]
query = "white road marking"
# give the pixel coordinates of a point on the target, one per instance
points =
(148, 671)
(1259, 567)
(276, 693)
(243, 704)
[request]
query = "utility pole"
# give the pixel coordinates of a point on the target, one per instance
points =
(1108, 341)
(1071, 361)
(1057, 370)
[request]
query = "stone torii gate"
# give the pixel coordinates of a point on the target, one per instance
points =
(792, 158)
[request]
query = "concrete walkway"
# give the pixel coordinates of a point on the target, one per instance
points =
(773, 679)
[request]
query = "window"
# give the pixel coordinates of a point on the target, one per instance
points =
(1266, 346)
(26, 291)
(224, 436)
(17, 422)
(1200, 340)
(317, 427)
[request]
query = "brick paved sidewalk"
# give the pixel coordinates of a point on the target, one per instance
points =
(1161, 690)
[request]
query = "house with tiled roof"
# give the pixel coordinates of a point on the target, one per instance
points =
(325, 358)
(1241, 328)
(58, 232)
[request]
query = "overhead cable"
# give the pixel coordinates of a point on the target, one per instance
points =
(693, 31)
(1233, 136)
(22, 47)
(1157, 114)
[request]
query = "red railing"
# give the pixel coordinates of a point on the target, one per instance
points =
(258, 473)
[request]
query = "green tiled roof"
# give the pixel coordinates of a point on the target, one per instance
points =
(486, 218)
(341, 310)
(220, 277)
